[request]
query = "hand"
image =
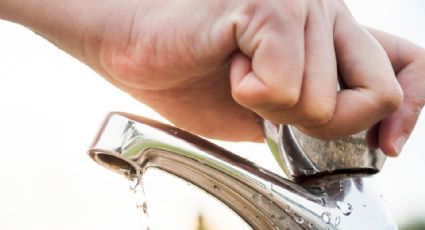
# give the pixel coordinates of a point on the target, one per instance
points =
(408, 61)
(281, 55)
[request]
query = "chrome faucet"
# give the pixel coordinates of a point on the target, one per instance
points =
(327, 184)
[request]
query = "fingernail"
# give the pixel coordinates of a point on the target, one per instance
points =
(399, 143)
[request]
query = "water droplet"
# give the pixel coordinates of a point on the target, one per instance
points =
(299, 219)
(311, 226)
(269, 186)
(337, 220)
(309, 171)
(145, 207)
(346, 208)
(326, 216)
(288, 208)
(341, 186)
(323, 202)
(290, 159)
(125, 172)
(270, 194)
(257, 197)
(282, 218)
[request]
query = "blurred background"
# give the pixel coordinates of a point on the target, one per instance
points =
(51, 106)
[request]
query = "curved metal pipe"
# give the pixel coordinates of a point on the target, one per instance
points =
(130, 145)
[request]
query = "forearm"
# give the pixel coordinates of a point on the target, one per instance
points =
(76, 26)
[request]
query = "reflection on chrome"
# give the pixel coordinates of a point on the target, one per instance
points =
(336, 199)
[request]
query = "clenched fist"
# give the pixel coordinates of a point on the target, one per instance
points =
(212, 66)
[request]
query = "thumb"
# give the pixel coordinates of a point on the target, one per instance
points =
(408, 60)
(396, 129)
(267, 70)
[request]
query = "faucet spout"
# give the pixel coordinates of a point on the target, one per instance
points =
(130, 145)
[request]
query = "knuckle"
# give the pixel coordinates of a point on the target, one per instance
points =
(251, 98)
(391, 99)
(323, 3)
(319, 113)
(266, 98)
(297, 14)
(338, 4)
(340, 8)
(321, 133)
(296, 11)
(241, 96)
(285, 98)
(416, 104)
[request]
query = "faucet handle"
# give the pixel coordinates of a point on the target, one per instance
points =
(302, 156)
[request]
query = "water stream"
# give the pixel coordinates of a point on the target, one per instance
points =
(137, 188)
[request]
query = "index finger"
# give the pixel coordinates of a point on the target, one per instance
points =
(372, 91)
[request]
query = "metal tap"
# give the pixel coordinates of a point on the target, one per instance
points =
(328, 184)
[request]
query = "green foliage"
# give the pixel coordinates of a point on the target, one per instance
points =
(418, 224)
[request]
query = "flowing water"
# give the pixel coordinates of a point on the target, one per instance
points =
(141, 204)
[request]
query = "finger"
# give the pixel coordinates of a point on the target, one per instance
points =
(400, 51)
(406, 60)
(396, 129)
(318, 94)
(372, 90)
(276, 52)
(372, 136)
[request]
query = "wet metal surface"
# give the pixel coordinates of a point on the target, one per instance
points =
(131, 145)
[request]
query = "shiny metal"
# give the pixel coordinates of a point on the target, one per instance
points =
(131, 145)
(301, 156)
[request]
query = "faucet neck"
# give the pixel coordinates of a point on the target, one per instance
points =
(131, 145)
(301, 156)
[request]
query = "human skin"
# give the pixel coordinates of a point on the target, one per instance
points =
(211, 67)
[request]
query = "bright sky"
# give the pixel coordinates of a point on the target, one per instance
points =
(51, 106)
